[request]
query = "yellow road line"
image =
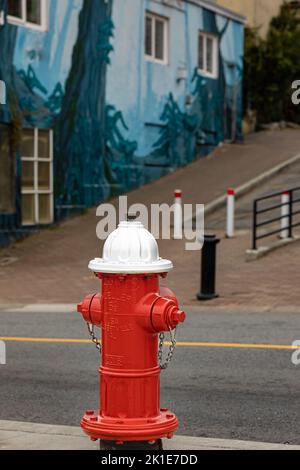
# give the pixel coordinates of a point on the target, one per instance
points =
(44, 340)
(180, 343)
(236, 345)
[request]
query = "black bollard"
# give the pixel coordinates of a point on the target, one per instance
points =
(208, 269)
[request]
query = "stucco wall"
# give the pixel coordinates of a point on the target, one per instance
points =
(258, 12)
(50, 53)
(141, 88)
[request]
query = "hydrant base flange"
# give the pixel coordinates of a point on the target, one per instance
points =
(128, 430)
(132, 445)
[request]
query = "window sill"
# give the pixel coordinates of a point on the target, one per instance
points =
(25, 24)
(205, 74)
(31, 192)
(156, 61)
(35, 226)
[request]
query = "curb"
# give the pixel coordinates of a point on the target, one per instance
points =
(253, 255)
(38, 308)
(245, 188)
(24, 436)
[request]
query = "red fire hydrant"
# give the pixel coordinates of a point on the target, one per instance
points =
(133, 313)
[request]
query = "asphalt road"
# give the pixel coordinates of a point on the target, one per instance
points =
(217, 391)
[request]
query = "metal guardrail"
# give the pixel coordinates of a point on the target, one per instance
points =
(289, 216)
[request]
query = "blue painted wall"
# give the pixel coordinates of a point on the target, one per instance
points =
(87, 76)
(50, 53)
(166, 132)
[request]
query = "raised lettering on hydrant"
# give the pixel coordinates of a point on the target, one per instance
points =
(133, 313)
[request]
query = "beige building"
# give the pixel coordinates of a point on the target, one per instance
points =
(257, 12)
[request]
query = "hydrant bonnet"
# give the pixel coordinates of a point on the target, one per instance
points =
(130, 249)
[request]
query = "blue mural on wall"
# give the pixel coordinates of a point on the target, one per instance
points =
(59, 82)
(126, 171)
(80, 130)
(210, 119)
(75, 110)
(176, 143)
(9, 216)
(186, 135)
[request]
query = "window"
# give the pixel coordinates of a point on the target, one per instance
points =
(37, 177)
(30, 13)
(208, 55)
(156, 38)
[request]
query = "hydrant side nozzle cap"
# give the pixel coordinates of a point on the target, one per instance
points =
(130, 249)
(180, 316)
(177, 316)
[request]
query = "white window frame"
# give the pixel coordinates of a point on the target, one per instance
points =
(215, 59)
(165, 20)
(27, 24)
(36, 192)
(2, 92)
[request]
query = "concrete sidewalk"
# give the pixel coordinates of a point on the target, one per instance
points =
(51, 266)
(29, 436)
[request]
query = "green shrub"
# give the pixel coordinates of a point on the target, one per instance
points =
(271, 66)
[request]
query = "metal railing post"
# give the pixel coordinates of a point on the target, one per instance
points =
(254, 243)
(285, 212)
(291, 194)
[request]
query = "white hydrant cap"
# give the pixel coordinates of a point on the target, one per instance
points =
(130, 249)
